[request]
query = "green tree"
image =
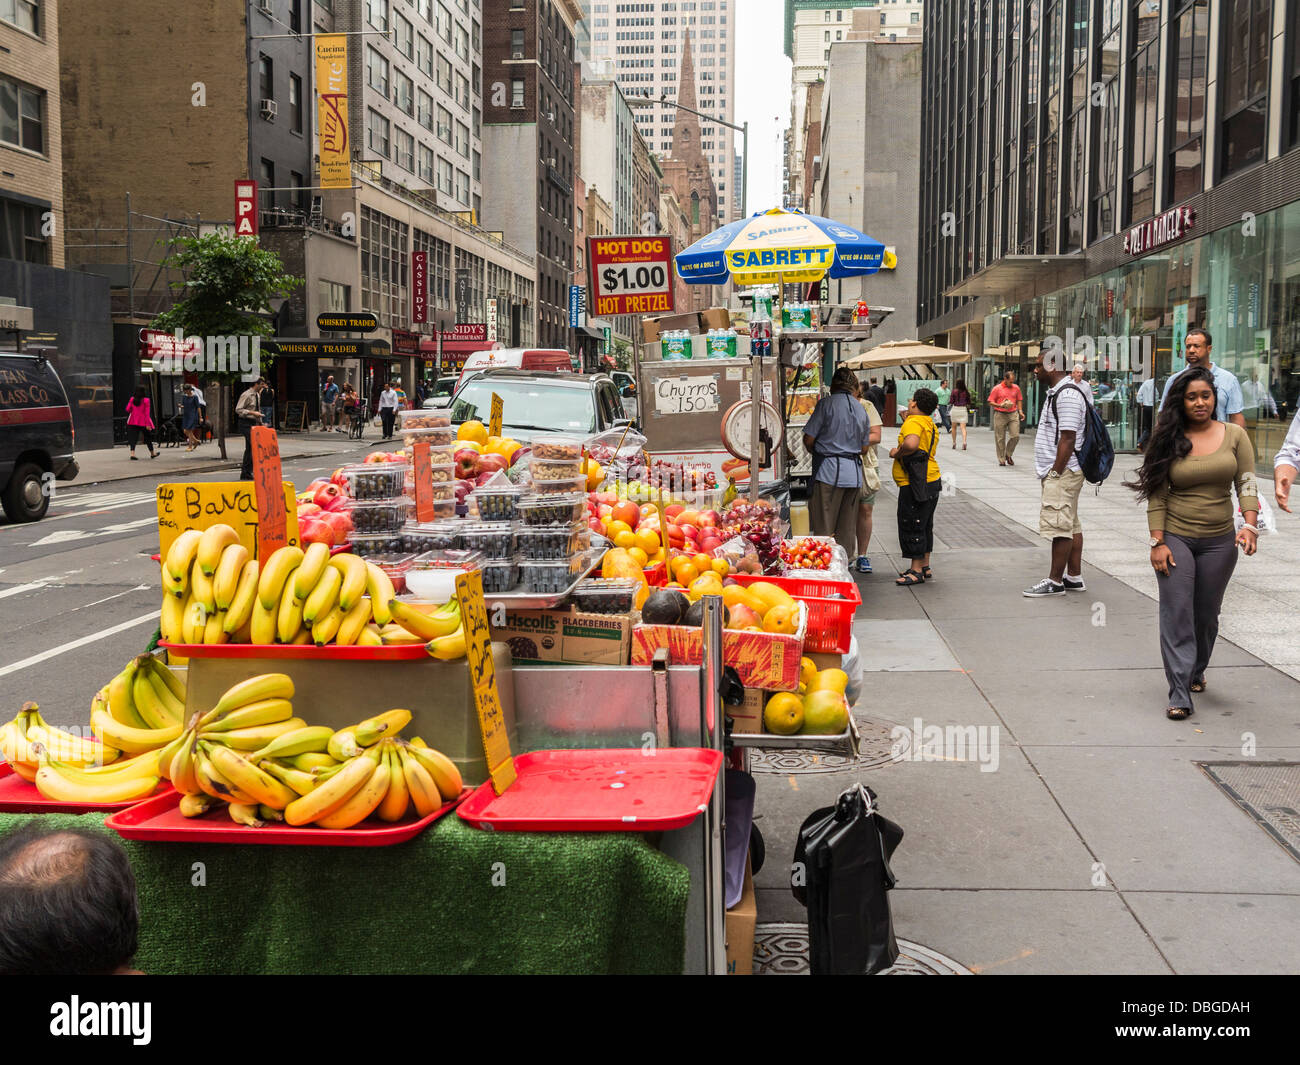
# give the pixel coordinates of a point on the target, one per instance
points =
(622, 354)
(230, 283)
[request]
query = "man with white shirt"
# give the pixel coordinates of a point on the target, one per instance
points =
(1226, 385)
(1146, 401)
(388, 409)
(1256, 396)
(1287, 464)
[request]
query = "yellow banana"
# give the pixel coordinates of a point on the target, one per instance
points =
(275, 572)
(266, 712)
(446, 648)
(173, 683)
(311, 760)
(262, 625)
(441, 768)
(394, 633)
(387, 724)
(179, 557)
(244, 634)
(196, 805)
(245, 814)
(299, 781)
(213, 782)
(13, 743)
(363, 801)
(289, 620)
(240, 610)
(343, 745)
(137, 768)
(253, 690)
(195, 620)
(369, 635)
(128, 739)
(424, 791)
(214, 631)
(269, 813)
(323, 594)
(172, 618)
(181, 771)
(381, 593)
(215, 539)
(302, 639)
(355, 575)
(332, 794)
(225, 582)
(245, 776)
(304, 739)
(353, 625)
(119, 702)
(327, 625)
(149, 704)
(398, 800)
(442, 622)
(202, 591)
(66, 748)
(314, 562)
(52, 782)
(255, 736)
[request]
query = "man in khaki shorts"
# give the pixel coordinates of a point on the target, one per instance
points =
(1060, 431)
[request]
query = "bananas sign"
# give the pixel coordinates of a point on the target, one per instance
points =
(193, 505)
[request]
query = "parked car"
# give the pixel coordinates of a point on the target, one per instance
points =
(516, 359)
(532, 403)
(441, 394)
(36, 435)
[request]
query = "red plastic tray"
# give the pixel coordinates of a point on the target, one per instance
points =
(405, 652)
(159, 820)
(599, 791)
(19, 797)
(830, 621)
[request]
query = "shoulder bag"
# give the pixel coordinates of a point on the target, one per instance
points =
(917, 467)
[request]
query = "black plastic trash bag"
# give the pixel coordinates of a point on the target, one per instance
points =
(842, 875)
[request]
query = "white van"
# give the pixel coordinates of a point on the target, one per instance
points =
(515, 359)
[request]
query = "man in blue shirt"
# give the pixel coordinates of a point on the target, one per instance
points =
(837, 436)
(1226, 385)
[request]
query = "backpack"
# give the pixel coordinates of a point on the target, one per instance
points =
(1096, 454)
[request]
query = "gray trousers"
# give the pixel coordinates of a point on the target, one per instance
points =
(834, 512)
(1190, 598)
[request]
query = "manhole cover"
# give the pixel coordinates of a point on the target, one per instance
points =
(879, 747)
(782, 950)
(1269, 792)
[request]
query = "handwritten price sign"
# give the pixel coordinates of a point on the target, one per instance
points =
(686, 395)
(268, 482)
(194, 505)
(498, 412)
(483, 676)
(423, 482)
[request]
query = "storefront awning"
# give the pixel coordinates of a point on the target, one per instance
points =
(327, 348)
(1013, 274)
(590, 331)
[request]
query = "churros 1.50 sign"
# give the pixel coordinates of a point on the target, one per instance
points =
(631, 275)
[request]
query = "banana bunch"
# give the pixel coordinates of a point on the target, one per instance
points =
(441, 631)
(141, 709)
(74, 769)
(209, 588)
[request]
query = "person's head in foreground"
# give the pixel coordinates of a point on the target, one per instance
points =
(67, 904)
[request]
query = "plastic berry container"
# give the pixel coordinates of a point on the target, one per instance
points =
(372, 546)
(576, 484)
(375, 480)
(498, 504)
(495, 539)
(381, 515)
(395, 565)
(552, 509)
(556, 447)
(432, 575)
(605, 595)
(435, 438)
(549, 578)
(421, 419)
(555, 469)
(550, 543)
(499, 575)
(441, 535)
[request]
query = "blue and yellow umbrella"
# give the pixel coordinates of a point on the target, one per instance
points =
(779, 245)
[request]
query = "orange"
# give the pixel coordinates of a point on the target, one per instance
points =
(721, 567)
(705, 584)
(613, 528)
(686, 574)
(472, 430)
(647, 540)
(701, 561)
(781, 619)
(642, 559)
(626, 538)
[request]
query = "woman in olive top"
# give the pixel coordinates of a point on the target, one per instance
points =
(918, 437)
(1186, 477)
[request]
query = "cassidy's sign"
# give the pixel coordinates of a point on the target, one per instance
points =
(1164, 228)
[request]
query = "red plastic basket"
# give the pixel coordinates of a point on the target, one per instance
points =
(830, 621)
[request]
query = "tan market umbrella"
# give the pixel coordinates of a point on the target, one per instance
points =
(904, 353)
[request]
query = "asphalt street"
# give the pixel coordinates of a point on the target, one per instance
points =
(79, 594)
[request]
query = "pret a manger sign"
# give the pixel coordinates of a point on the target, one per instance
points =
(631, 275)
(1162, 229)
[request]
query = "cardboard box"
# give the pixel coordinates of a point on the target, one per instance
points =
(550, 636)
(767, 660)
(826, 661)
(741, 920)
(715, 318)
(748, 717)
(652, 327)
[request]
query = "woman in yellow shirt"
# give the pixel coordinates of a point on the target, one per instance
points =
(917, 443)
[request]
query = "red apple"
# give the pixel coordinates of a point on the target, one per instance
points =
(463, 488)
(596, 526)
(484, 476)
(305, 510)
(691, 532)
(710, 518)
(628, 512)
(467, 463)
(379, 456)
(339, 523)
(674, 510)
(492, 463)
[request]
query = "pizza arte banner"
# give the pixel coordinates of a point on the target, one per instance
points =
(631, 275)
(332, 111)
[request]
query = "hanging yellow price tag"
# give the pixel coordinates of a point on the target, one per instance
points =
(482, 672)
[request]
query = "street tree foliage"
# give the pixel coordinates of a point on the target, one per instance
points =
(230, 284)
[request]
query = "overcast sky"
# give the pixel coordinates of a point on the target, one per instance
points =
(763, 95)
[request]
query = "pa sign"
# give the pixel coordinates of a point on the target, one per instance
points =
(246, 208)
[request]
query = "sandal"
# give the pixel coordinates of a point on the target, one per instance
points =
(1178, 713)
(925, 572)
(908, 578)
(1197, 685)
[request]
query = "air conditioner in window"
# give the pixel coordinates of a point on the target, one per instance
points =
(267, 109)
(516, 55)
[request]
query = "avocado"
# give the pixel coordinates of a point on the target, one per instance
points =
(664, 607)
(695, 614)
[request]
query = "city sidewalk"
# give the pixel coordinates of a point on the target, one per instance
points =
(113, 464)
(1095, 843)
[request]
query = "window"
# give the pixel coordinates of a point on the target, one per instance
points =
(295, 16)
(443, 25)
(462, 140)
(298, 197)
(295, 103)
(444, 176)
(462, 43)
(424, 109)
(333, 296)
(424, 55)
(516, 92)
(385, 262)
(915, 17)
(444, 74)
(265, 78)
(22, 235)
(444, 124)
(517, 42)
(1142, 116)
(462, 91)
(266, 182)
(377, 72)
(1245, 83)
(426, 164)
(403, 37)
(377, 132)
(1105, 151)
(462, 187)
(1293, 87)
(404, 150)
(25, 14)
(377, 15)
(826, 36)
(1191, 34)
(21, 110)
(477, 169)
(403, 92)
